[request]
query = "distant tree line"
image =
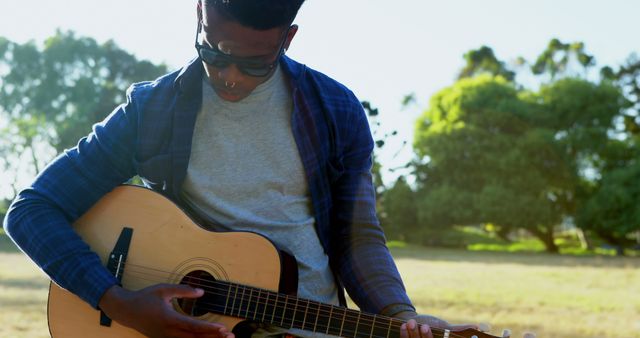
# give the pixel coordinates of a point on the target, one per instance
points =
(490, 150)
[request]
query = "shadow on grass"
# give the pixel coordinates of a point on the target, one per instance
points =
(28, 284)
(522, 258)
(461, 255)
(21, 304)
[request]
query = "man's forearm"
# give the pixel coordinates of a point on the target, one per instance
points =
(371, 277)
(45, 235)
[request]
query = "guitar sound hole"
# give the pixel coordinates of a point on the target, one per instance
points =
(205, 304)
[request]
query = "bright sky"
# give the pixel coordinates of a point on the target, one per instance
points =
(382, 50)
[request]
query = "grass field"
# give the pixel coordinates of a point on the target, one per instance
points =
(553, 296)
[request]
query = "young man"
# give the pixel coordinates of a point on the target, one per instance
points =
(247, 139)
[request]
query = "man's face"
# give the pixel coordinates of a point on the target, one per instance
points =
(246, 44)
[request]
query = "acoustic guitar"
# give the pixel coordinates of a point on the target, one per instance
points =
(145, 239)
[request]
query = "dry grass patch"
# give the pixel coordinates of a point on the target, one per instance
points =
(553, 296)
(23, 297)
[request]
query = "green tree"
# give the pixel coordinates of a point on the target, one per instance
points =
(51, 95)
(4, 205)
(380, 139)
(483, 60)
(581, 113)
(376, 170)
(490, 151)
(613, 211)
(486, 163)
(400, 221)
(558, 58)
(627, 77)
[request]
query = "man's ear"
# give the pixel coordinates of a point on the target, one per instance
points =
(199, 6)
(290, 35)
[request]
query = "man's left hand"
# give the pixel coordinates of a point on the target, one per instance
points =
(420, 326)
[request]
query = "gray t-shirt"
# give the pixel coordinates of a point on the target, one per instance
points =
(245, 174)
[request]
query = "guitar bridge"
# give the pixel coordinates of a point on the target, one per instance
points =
(115, 263)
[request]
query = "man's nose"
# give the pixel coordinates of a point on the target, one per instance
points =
(231, 73)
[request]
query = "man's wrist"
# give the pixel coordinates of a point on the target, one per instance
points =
(394, 310)
(406, 315)
(110, 299)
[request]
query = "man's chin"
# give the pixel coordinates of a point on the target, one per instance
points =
(229, 96)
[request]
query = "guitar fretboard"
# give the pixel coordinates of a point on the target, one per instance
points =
(286, 311)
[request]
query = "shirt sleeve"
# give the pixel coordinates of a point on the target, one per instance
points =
(365, 265)
(39, 220)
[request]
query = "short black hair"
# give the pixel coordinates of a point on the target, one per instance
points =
(258, 14)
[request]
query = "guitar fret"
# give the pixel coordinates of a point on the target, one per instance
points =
(389, 329)
(286, 299)
(372, 326)
(265, 307)
(317, 315)
(295, 309)
(273, 314)
(253, 304)
(235, 297)
(255, 313)
(248, 304)
(344, 316)
(244, 288)
(299, 314)
(304, 320)
(227, 302)
(333, 324)
(323, 322)
(329, 321)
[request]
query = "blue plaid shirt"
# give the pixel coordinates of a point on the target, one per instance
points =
(150, 136)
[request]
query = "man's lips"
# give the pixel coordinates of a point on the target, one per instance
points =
(227, 94)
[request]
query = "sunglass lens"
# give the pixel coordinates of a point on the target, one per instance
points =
(219, 60)
(213, 58)
(255, 70)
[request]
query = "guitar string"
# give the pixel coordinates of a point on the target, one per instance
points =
(275, 318)
(225, 291)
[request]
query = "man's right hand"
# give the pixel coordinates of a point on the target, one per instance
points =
(150, 312)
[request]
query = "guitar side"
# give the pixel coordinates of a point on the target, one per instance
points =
(166, 245)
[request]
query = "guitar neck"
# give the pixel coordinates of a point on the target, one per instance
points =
(287, 311)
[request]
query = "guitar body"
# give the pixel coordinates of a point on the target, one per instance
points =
(166, 245)
(145, 239)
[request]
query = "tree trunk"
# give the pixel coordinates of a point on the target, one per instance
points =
(545, 234)
(503, 233)
(584, 241)
(34, 158)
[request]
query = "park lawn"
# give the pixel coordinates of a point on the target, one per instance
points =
(550, 295)
(23, 298)
(553, 296)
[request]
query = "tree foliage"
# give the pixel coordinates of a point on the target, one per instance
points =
(613, 211)
(557, 58)
(50, 95)
(627, 77)
(400, 219)
(487, 163)
(491, 151)
(483, 60)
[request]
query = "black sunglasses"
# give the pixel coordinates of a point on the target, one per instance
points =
(216, 58)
